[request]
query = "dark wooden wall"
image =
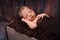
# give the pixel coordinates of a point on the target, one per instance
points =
(8, 8)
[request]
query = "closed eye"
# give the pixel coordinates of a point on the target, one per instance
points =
(30, 15)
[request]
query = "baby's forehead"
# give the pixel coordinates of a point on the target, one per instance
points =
(25, 10)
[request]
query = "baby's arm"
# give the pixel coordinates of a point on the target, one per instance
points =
(31, 24)
(41, 16)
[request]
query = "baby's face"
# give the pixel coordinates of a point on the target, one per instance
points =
(29, 14)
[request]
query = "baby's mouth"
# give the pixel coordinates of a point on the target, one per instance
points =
(32, 18)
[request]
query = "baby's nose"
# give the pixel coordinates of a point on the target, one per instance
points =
(30, 15)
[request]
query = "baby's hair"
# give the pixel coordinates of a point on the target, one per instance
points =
(20, 9)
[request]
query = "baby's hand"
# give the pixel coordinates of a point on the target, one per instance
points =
(41, 16)
(32, 25)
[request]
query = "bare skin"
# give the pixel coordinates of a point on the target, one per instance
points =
(29, 17)
(33, 24)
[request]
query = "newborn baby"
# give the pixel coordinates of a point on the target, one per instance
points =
(29, 16)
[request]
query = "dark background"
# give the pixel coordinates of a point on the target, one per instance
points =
(8, 8)
(8, 11)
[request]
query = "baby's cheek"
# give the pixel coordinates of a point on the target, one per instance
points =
(25, 16)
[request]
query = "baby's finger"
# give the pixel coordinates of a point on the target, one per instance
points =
(47, 15)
